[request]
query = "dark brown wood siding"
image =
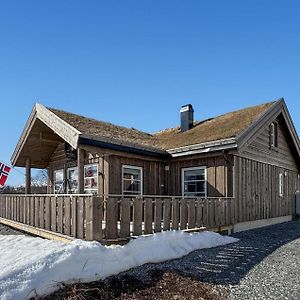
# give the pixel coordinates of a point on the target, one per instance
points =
(153, 174)
(257, 190)
(219, 174)
(259, 148)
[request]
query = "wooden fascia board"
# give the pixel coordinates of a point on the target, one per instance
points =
(259, 123)
(24, 135)
(59, 126)
(271, 114)
(291, 128)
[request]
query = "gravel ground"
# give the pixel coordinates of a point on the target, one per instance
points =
(264, 264)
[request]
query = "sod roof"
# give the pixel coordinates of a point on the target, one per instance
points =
(225, 126)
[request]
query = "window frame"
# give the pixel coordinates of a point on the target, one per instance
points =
(183, 170)
(63, 179)
(141, 180)
(71, 169)
(274, 135)
(90, 190)
(281, 184)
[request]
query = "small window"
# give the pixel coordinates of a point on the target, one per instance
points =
(194, 182)
(72, 184)
(281, 184)
(273, 135)
(91, 179)
(132, 180)
(58, 181)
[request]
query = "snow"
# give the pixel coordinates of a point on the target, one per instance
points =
(32, 266)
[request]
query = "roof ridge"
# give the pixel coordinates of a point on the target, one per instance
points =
(197, 122)
(100, 121)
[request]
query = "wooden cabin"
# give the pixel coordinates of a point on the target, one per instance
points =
(252, 155)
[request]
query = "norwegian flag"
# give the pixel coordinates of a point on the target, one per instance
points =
(4, 171)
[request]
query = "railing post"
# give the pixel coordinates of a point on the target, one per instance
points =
(80, 165)
(94, 218)
(28, 176)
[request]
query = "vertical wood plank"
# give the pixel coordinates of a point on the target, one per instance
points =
(67, 216)
(183, 213)
(175, 213)
(74, 216)
(157, 215)
(199, 215)
(148, 215)
(80, 218)
(94, 212)
(47, 212)
(53, 213)
(137, 215)
(111, 218)
(166, 213)
(42, 212)
(125, 217)
(191, 213)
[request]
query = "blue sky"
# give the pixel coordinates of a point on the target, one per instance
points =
(135, 63)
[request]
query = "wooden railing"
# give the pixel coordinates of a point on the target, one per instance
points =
(111, 217)
(72, 215)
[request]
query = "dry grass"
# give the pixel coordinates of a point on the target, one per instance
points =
(221, 127)
(162, 286)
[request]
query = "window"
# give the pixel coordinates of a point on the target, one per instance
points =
(91, 179)
(281, 184)
(194, 181)
(273, 135)
(72, 186)
(132, 180)
(58, 181)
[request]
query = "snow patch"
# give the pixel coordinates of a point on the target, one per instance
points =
(33, 266)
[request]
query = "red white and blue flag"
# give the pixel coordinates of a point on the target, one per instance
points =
(4, 171)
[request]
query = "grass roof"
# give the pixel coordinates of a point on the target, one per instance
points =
(222, 127)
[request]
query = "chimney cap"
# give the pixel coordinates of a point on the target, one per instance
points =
(187, 107)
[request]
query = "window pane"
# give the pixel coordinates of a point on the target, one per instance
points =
(132, 181)
(129, 185)
(73, 173)
(58, 176)
(90, 171)
(87, 183)
(58, 181)
(198, 174)
(132, 174)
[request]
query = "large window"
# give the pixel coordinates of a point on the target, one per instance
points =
(274, 135)
(58, 181)
(132, 180)
(91, 179)
(194, 182)
(72, 185)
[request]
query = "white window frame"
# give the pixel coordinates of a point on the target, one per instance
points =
(91, 190)
(71, 169)
(54, 185)
(141, 180)
(281, 184)
(191, 169)
(274, 134)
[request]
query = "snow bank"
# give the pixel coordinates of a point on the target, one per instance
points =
(32, 266)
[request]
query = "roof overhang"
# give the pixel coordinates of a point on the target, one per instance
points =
(114, 144)
(218, 145)
(279, 107)
(42, 133)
